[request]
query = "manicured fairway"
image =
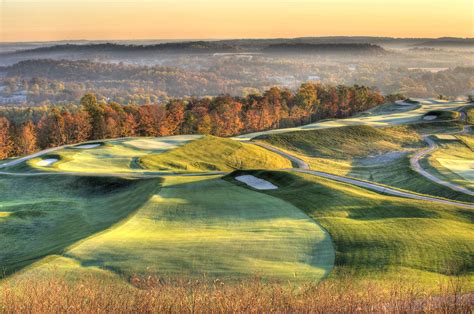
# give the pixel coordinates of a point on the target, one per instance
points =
(190, 153)
(374, 154)
(44, 215)
(214, 153)
(453, 161)
(380, 236)
(115, 156)
(375, 118)
(195, 226)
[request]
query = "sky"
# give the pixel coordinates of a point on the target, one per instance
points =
(47, 20)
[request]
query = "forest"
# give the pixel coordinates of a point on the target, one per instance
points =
(26, 130)
(59, 82)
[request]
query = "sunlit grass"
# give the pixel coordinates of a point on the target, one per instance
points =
(379, 236)
(196, 226)
(213, 153)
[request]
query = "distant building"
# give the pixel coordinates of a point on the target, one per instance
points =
(314, 78)
(287, 81)
(15, 98)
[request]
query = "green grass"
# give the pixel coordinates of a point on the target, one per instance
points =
(116, 156)
(214, 154)
(453, 161)
(44, 215)
(383, 116)
(467, 140)
(380, 155)
(398, 173)
(469, 111)
(380, 236)
(345, 142)
(200, 225)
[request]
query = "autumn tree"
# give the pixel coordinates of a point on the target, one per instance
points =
(77, 126)
(25, 139)
(96, 115)
(5, 143)
(51, 129)
(174, 118)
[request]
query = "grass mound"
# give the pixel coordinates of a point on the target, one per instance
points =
(200, 225)
(47, 214)
(214, 154)
(344, 142)
(453, 161)
(469, 111)
(381, 236)
(111, 156)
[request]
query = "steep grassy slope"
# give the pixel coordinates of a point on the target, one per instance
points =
(374, 154)
(379, 236)
(213, 153)
(345, 142)
(43, 215)
(469, 110)
(117, 156)
(197, 225)
(452, 161)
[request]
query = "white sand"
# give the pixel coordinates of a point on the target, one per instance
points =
(429, 117)
(446, 137)
(256, 183)
(161, 143)
(85, 146)
(46, 162)
(403, 103)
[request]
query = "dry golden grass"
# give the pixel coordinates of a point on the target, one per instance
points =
(152, 295)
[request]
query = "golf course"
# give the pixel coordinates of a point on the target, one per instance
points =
(380, 195)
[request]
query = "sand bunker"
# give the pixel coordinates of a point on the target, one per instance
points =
(429, 117)
(46, 162)
(256, 183)
(161, 143)
(86, 146)
(403, 103)
(446, 137)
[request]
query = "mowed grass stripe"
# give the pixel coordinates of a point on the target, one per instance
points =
(212, 153)
(111, 156)
(47, 214)
(381, 236)
(196, 226)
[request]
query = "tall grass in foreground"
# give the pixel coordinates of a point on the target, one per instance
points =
(152, 294)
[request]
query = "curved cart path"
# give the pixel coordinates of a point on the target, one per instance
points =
(303, 167)
(415, 164)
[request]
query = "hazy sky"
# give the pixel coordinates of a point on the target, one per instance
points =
(31, 20)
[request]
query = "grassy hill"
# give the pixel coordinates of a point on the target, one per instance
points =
(375, 154)
(213, 153)
(110, 156)
(43, 215)
(345, 142)
(201, 225)
(382, 237)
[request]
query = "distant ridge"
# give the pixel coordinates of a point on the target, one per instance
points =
(325, 48)
(188, 47)
(448, 41)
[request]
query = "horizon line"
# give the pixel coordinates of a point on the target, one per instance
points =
(225, 38)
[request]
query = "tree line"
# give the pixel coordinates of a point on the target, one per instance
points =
(23, 131)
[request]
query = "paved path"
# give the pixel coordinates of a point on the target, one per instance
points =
(415, 164)
(303, 167)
